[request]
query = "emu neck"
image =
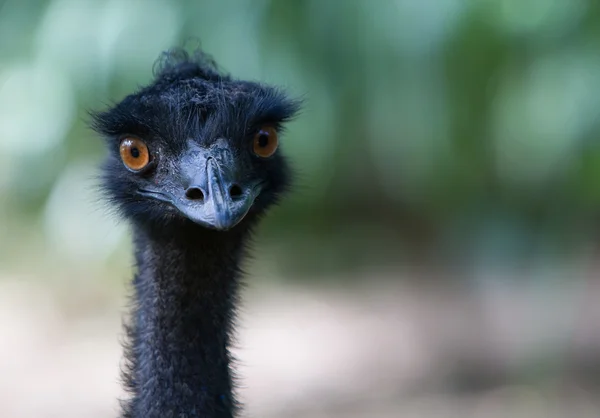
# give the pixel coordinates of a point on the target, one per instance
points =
(184, 292)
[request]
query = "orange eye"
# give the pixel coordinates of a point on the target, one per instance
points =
(134, 153)
(265, 142)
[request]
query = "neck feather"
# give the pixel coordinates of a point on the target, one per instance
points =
(185, 293)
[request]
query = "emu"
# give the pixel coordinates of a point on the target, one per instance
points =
(193, 163)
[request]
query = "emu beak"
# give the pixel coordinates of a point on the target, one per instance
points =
(208, 189)
(213, 196)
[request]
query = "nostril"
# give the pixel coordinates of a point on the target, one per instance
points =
(194, 193)
(235, 191)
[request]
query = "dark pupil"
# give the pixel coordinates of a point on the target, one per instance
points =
(263, 140)
(135, 153)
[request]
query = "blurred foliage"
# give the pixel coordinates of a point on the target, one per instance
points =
(464, 128)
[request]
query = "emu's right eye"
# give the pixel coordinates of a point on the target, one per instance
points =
(265, 142)
(134, 153)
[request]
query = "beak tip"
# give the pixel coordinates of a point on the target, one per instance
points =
(225, 223)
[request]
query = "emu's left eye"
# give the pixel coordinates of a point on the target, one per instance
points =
(265, 142)
(134, 153)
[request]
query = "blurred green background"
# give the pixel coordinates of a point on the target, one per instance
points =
(447, 162)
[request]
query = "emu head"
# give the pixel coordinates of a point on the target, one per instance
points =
(195, 146)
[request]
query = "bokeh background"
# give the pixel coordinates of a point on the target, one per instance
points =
(439, 257)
